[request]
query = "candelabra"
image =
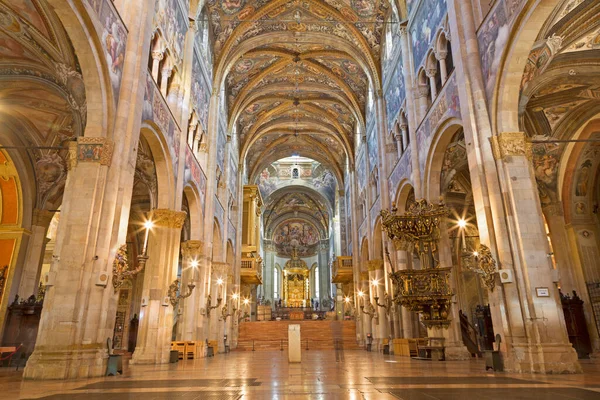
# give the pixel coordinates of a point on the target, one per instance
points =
(370, 310)
(209, 306)
(121, 269)
(387, 303)
(226, 314)
(174, 288)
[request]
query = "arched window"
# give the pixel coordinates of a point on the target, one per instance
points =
(275, 283)
(295, 173)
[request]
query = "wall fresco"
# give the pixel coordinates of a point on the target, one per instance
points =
(403, 169)
(232, 177)
(219, 213)
(231, 234)
(200, 92)
(172, 20)
(155, 109)
(296, 234)
(375, 212)
(423, 27)
(193, 172)
(114, 39)
(445, 106)
(361, 170)
(492, 38)
(221, 142)
(316, 177)
(373, 149)
(395, 94)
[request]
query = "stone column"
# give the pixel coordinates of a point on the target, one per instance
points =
(441, 57)
(157, 57)
(164, 83)
(546, 347)
(405, 314)
(192, 321)
(570, 272)
(377, 273)
(156, 317)
(431, 74)
(455, 348)
(34, 257)
(79, 309)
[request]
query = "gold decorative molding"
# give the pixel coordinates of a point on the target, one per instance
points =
(508, 144)
(219, 268)
(90, 149)
(364, 276)
(168, 218)
(192, 249)
(374, 265)
(483, 263)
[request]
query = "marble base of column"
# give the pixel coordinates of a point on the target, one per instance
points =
(66, 363)
(543, 359)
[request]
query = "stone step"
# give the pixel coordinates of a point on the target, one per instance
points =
(321, 335)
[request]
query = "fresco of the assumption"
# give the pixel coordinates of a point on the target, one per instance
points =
(296, 234)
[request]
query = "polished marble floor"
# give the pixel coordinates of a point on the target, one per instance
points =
(321, 375)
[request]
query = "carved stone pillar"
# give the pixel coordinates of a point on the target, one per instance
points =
(441, 57)
(157, 57)
(376, 274)
(431, 74)
(406, 316)
(545, 346)
(36, 248)
(164, 83)
(192, 321)
(156, 314)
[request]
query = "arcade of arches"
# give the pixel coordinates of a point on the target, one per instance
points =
(207, 171)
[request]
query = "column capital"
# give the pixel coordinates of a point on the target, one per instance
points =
(508, 144)
(192, 249)
(219, 269)
(431, 72)
(168, 218)
(374, 265)
(554, 209)
(364, 276)
(42, 217)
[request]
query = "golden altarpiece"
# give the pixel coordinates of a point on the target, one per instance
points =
(296, 284)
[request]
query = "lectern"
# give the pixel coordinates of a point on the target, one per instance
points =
(294, 348)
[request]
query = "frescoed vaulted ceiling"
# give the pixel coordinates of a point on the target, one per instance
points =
(560, 87)
(42, 94)
(297, 92)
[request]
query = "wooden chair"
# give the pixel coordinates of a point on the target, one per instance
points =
(180, 347)
(190, 350)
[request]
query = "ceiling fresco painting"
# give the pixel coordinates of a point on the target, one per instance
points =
(291, 93)
(560, 88)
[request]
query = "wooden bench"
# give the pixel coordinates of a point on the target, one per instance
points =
(433, 349)
(8, 349)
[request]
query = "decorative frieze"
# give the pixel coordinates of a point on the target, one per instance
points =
(508, 144)
(192, 249)
(90, 149)
(375, 265)
(168, 218)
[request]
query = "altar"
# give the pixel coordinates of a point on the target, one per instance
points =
(296, 288)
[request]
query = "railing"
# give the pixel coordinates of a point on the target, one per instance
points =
(469, 335)
(307, 344)
(342, 269)
(251, 269)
